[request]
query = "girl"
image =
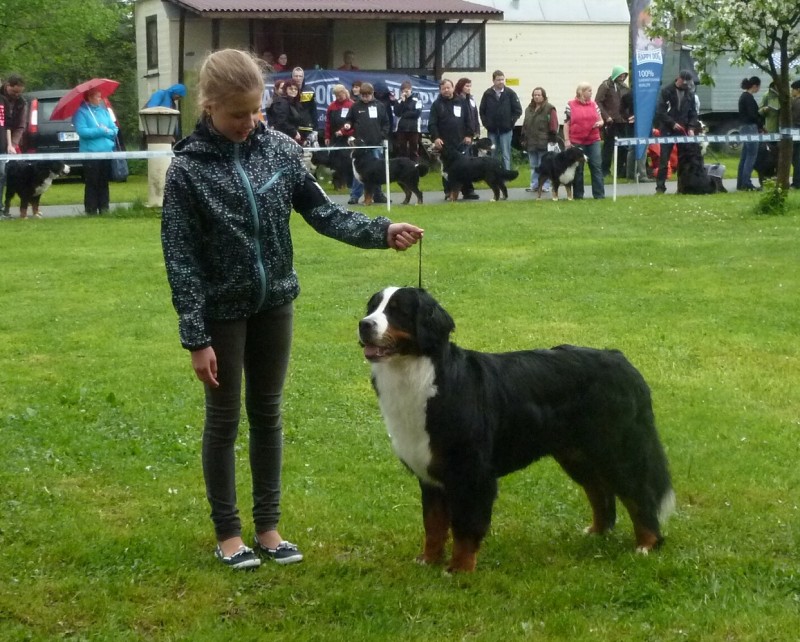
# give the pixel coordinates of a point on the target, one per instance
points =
(225, 234)
(752, 121)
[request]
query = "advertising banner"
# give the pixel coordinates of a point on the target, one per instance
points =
(647, 67)
(323, 80)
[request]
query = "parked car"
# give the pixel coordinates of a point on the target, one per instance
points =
(45, 136)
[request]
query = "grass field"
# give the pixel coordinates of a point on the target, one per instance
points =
(105, 532)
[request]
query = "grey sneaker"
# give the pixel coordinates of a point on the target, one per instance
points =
(284, 553)
(242, 559)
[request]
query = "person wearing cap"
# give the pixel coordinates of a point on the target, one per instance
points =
(676, 115)
(796, 125)
(609, 99)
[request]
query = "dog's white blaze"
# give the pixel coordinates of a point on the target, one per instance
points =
(378, 317)
(404, 386)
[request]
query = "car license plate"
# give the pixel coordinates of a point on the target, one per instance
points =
(67, 137)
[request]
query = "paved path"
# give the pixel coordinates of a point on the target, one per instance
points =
(431, 198)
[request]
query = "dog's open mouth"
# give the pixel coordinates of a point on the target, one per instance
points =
(376, 353)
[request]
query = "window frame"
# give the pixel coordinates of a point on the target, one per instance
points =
(475, 36)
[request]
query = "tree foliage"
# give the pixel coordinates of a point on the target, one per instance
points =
(56, 44)
(764, 34)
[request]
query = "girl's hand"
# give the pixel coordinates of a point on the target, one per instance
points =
(204, 363)
(401, 236)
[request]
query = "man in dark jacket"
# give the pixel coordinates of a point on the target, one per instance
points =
(676, 115)
(368, 121)
(449, 124)
(307, 108)
(610, 95)
(500, 109)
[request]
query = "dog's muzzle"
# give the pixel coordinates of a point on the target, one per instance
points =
(375, 345)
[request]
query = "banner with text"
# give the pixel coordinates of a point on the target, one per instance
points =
(647, 67)
(323, 80)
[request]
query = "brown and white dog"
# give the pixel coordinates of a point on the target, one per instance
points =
(460, 419)
(560, 169)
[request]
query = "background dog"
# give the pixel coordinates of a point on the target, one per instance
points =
(371, 172)
(30, 180)
(693, 177)
(766, 165)
(460, 169)
(338, 162)
(459, 419)
(560, 169)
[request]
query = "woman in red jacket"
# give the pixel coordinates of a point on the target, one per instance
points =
(582, 125)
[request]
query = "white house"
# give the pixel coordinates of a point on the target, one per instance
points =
(550, 43)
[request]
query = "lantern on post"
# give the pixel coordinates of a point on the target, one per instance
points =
(159, 125)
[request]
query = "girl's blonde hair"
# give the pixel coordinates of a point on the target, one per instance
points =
(227, 72)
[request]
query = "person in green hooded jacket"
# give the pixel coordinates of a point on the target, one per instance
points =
(609, 98)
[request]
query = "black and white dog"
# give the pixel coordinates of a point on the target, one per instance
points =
(30, 180)
(459, 419)
(560, 169)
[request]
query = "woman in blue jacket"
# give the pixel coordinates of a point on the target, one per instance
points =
(98, 133)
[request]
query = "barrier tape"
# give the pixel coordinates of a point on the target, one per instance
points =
(140, 155)
(786, 133)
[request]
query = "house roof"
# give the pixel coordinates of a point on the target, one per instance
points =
(332, 9)
(562, 11)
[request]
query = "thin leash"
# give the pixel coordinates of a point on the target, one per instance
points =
(420, 263)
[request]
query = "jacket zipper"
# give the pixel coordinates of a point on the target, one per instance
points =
(262, 273)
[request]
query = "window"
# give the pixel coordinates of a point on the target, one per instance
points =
(151, 37)
(463, 46)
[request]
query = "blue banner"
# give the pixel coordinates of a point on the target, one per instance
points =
(323, 80)
(647, 66)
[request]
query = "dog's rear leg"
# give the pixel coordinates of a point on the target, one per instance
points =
(601, 497)
(645, 526)
(436, 519)
(568, 187)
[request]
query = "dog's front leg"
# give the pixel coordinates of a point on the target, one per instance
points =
(436, 519)
(471, 506)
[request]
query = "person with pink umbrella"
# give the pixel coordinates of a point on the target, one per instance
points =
(98, 133)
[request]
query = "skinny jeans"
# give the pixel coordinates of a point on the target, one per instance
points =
(747, 160)
(259, 347)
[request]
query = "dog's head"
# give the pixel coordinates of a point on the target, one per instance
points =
(574, 155)
(403, 321)
(482, 146)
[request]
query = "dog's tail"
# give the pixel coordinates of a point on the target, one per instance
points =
(509, 174)
(422, 168)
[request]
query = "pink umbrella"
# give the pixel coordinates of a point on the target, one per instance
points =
(73, 99)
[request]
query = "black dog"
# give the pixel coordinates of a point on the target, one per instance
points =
(459, 419)
(338, 161)
(371, 172)
(693, 176)
(30, 180)
(766, 165)
(560, 168)
(460, 169)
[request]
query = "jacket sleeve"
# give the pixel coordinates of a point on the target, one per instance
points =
(600, 99)
(433, 121)
(86, 126)
(516, 109)
(180, 232)
(663, 119)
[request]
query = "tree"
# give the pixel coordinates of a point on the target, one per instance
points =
(56, 44)
(761, 33)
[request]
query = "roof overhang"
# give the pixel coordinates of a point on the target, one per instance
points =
(341, 9)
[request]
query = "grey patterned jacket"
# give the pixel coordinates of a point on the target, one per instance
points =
(225, 226)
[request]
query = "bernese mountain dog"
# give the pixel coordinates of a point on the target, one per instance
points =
(459, 169)
(560, 169)
(30, 180)
(371, 172)
(460, 419)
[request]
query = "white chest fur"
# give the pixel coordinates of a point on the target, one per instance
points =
(569, 174)
(45, 185)
(404, 386)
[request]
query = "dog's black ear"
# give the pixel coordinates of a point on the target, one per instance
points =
(434, 324)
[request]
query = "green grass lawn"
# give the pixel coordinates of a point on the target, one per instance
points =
(105, 532)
